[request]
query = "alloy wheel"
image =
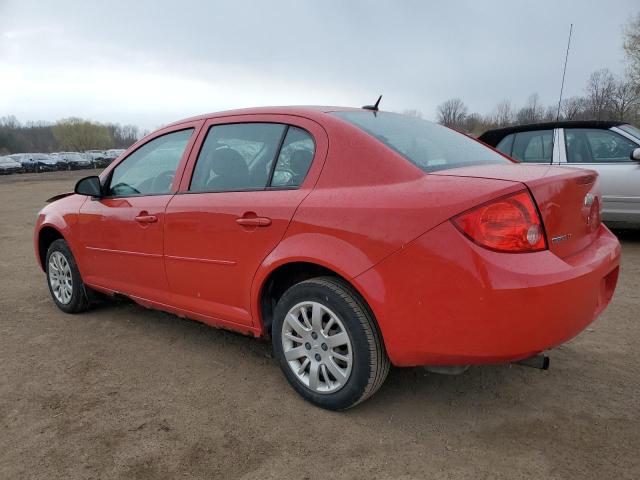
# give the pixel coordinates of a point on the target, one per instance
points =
(317, 347)
(60, 277)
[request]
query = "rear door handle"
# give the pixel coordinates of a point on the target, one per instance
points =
(254, 221)
(144, 217)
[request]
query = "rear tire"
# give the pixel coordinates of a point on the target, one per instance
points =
(328, 344)
(63, 278)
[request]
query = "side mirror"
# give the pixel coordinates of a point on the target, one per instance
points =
(635, 154)
(89, 186)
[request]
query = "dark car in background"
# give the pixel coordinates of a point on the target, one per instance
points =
(114, 153)
(9, 165)
(99, 158)
(72, 160)
(36, 162)
(45, 162)
(610, 148)
(25, 159)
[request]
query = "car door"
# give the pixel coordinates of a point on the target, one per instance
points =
(122, 232)
(609, 153)
(246, 177)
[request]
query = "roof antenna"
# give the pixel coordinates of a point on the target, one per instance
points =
(564, 71)
(373, 107)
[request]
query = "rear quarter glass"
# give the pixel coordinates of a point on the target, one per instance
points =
(427, 145)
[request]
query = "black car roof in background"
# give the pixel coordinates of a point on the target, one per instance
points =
(493, 137)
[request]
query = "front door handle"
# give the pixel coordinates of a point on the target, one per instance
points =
(144, 218)
(254, 221)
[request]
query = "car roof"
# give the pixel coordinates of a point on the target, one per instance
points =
(309, 111)
(493, 137)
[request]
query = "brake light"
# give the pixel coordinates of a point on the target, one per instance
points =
(508, 224)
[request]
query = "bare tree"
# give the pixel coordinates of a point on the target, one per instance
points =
(503, 114)
(624, 100)
(532, 112)
(631, 35)
(474, 123)
(572, 108)
(452, 113)
(600, 89)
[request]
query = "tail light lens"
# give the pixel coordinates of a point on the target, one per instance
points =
(508, 224)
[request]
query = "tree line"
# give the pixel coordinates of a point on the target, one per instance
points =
(606, 97)
(71, 134)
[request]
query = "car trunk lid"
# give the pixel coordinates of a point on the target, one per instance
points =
(568, 200)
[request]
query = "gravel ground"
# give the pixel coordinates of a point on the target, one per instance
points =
(125, 392)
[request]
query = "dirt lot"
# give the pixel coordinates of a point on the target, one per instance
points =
(123, 392)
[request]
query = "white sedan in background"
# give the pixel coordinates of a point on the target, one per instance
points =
(610, 148)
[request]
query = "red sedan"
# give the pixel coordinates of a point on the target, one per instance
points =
(352, 238)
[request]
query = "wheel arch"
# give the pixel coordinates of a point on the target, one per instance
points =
(46, 236)
(284, 275)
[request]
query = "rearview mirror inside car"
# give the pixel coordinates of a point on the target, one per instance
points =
(635, 154)
(89, 186)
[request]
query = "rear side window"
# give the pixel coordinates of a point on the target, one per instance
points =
(533, 147)
(294, 159)
(506, 144)
(592, 145)
(427, 145)
(237, 157)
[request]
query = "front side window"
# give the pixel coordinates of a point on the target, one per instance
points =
(533, 147)
(427, 145)
(294, 159)
(592, 145)
(237, 157)
(151, 168)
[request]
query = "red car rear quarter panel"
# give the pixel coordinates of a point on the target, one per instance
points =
(373, 201)
(446, 301)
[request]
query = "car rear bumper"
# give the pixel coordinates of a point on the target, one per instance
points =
(443, 300)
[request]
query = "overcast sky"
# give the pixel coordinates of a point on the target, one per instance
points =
(153, 62)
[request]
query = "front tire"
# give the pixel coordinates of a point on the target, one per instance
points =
(328, 344)
(63, 277)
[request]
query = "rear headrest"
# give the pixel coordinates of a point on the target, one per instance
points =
(300, 161)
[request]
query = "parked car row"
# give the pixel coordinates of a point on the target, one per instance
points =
(48, 162)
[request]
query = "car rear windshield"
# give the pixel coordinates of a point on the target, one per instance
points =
(427, 145)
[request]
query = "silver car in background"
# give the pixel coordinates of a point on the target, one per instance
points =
(9, 165)
(610, 148)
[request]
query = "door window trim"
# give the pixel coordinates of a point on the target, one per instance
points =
(268, 186)
(180, 167)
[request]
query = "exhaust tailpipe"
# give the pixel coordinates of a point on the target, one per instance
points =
(540, 361)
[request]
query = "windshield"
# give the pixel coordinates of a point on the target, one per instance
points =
(630, 129)
(427, 145)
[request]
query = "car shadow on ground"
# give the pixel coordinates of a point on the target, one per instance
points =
(478, 387)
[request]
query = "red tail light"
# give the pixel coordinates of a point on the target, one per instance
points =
(508, 224)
